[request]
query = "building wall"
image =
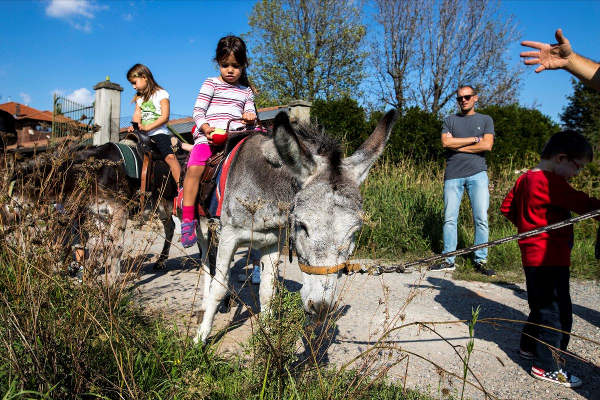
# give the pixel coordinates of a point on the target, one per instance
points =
(28, 135)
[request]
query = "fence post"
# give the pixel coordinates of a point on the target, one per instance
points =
(107, 111)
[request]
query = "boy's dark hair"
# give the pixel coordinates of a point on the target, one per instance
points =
(234, 45)
(568, 142)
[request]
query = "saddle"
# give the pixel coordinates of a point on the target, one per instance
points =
(211, 174)
(208, 179)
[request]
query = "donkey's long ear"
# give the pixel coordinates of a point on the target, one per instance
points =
(293, 153)
(357, 166)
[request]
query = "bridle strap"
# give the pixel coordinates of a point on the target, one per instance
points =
(315, 270)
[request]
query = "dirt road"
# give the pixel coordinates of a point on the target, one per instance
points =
(374, 304)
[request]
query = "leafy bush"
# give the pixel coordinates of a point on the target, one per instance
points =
(343, 119)
(520, 134)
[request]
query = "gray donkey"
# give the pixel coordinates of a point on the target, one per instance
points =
(295, 178)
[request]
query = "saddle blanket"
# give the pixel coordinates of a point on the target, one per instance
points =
(131, 161)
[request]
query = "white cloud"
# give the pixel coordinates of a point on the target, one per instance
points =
(70, 8)
(128, 17)
(82, 96)
(77, 13)
(85, 27)
(25, 97)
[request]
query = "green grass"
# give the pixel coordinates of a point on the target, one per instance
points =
(62, 340)
(404, 217)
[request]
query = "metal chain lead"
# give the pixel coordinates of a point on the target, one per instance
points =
(380, 269)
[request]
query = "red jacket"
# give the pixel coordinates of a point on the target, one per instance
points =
(540, 198)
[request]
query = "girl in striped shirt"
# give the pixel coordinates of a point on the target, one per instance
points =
(220, 99)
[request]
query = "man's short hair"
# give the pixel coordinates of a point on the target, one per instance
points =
(568, 142)
(466, 86)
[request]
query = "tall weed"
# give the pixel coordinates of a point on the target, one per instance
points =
(404, 207)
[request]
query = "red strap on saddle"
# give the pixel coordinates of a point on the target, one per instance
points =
(224, 174)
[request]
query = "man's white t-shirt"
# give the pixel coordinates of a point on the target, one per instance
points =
(151, 111)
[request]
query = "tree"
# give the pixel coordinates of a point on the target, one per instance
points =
(429, 47)
(343, 119)
(465, 42)
(520, 134)
(398, 22)
(582, 114)
(416, 135)
(306, 49)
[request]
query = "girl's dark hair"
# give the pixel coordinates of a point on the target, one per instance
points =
(234, 45)
(568, 142)
(141, 71)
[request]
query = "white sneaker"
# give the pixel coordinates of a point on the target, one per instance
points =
(256, 275)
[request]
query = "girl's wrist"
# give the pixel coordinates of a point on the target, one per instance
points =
(477, 139)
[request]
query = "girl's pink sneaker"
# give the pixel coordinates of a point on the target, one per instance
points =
(188, 233)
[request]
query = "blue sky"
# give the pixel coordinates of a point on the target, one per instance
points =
(67, 46)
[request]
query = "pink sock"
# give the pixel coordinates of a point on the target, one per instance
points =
(188, 213)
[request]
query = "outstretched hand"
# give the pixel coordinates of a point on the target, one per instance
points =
(549, 56)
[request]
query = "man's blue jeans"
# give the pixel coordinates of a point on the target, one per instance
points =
(477, 189)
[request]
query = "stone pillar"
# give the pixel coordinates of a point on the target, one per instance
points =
(107, 111)
(300, 111)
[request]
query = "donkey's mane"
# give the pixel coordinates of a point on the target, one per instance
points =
(325, 146)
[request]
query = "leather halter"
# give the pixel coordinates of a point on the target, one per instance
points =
(315, 270)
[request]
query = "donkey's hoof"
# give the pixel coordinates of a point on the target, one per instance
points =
(225, 306)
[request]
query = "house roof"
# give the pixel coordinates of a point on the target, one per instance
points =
(26, 111)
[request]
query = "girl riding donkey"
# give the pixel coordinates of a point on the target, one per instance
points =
(152, 114)
(221, 99)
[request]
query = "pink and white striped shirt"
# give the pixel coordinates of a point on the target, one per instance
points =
(217, 103)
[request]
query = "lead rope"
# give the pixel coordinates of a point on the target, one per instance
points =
(399, 268)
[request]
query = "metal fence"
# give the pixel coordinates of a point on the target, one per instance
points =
(72, 121)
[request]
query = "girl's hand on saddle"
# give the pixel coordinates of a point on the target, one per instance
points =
(249, 118)
(130, 129)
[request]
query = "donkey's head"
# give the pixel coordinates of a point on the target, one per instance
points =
(327, 209)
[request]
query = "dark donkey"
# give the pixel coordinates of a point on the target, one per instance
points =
(113, 196)
(118, 192)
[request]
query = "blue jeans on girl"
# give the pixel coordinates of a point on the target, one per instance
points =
(477, 189)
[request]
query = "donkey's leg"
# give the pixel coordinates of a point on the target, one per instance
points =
(206, 264)
(268, 275)
(202, 241)
(209, 263)
(169, 226)
(117, 236)
(218, 289)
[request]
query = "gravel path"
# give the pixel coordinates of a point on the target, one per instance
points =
(372, 304)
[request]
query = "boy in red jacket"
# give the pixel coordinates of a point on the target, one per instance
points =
(541, 197)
